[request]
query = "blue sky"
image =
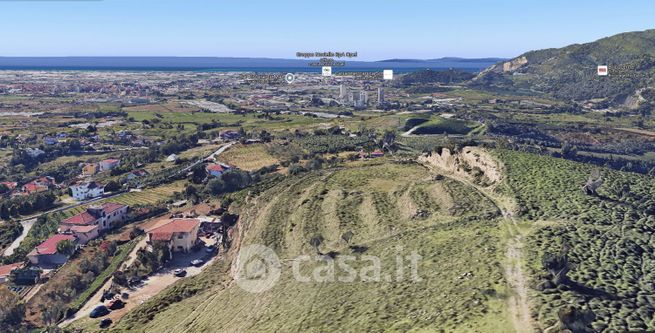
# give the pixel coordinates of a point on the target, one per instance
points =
(377, 30)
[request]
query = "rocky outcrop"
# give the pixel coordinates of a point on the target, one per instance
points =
(514, 64)
(472, 162)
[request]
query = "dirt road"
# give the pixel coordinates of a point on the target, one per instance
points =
(518, 301)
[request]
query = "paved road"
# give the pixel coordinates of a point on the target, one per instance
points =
(150, 287)
(28, 223)
(215, 154)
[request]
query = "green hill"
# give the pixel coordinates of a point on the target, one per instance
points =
(377, 202)
(569, 73)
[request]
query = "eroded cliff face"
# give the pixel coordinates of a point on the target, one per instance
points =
(514, 64)
(472, 163)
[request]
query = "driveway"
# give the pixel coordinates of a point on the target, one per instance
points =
(150, 287)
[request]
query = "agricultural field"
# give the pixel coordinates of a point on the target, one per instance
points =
(190, 119)
(608, 236)
(377, 203)
(439, 125)
(189, 154)
(330, 143)
(248, 157)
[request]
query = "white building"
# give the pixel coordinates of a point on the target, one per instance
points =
(34, 152)
(343, 92)
(87, 191)
(103, 217)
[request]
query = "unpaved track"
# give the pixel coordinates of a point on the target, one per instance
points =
(517, 302)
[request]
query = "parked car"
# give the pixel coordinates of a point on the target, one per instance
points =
(179, 272)
(134, 281)
(105, 323)
(107, 294)
(197, 262)
(116, 304)
(99, 311)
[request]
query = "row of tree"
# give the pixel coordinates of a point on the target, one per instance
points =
(16, 206)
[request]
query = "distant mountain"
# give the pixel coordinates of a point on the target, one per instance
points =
(467, 59)
(447, 59)
(226, 63)
(448, 62)
(570, 73)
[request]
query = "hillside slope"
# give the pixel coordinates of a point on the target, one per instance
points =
(570, 72)
(461, 287)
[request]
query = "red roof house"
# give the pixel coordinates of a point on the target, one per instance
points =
(180, 234)
(6, 270)
(377, 153)
(10, 185)
(39, 185)
(216, 169)
(103, 216)
(46, 253)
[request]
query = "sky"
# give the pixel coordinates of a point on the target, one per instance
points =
(375, 29)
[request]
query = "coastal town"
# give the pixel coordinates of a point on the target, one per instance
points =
(100, 168)
(126, 198)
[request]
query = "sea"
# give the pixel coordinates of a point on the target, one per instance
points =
(209, 64)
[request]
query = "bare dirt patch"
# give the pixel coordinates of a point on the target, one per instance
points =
(472, 163)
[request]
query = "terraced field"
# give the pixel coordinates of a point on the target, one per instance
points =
(460, 285)
(611, 249)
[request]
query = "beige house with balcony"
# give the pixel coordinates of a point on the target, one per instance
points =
(180, 234)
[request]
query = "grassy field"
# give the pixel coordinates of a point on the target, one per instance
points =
(248, 157)
(438, 125)
(377, 202)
